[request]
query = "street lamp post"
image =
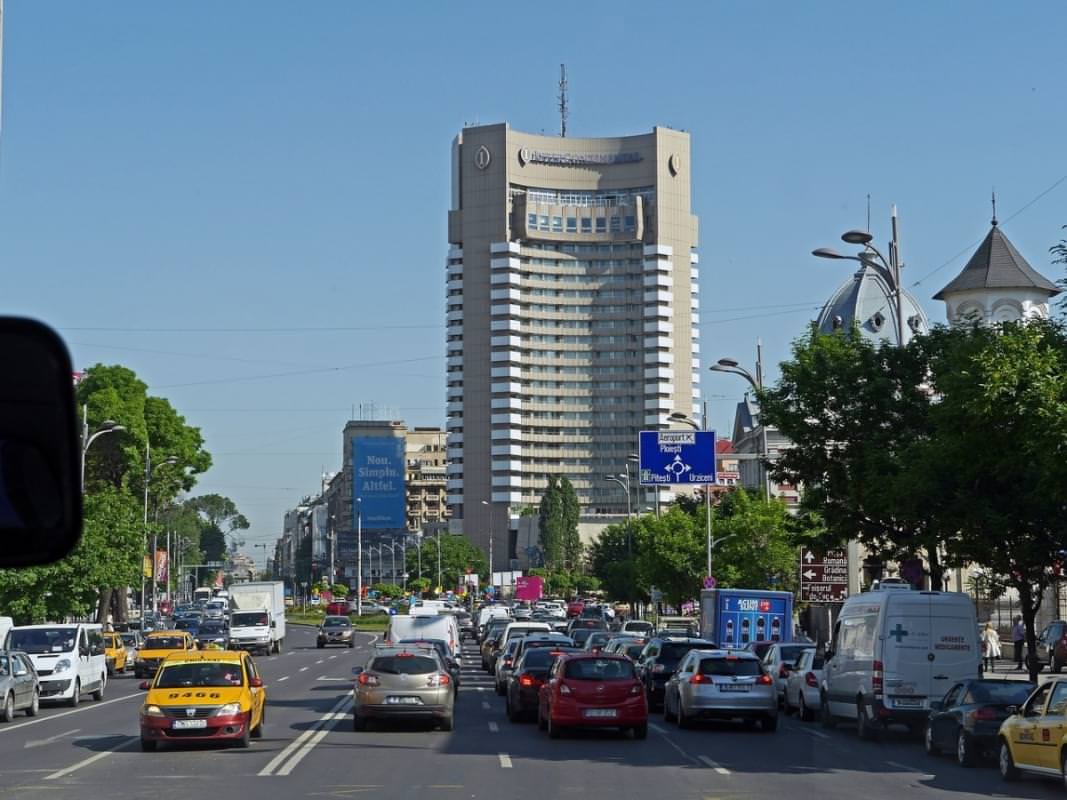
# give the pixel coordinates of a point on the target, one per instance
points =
(487, 503)
(623, 480)
(359, 556)
(439, 574)
(107, 426)
(731, 366)
(888, 268)
(678, 416)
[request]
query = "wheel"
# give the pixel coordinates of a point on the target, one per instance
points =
(554, 730)
(319, 645)
(77, 696)
(668, 715)
(351, 643)
(245, 739)
(446, 723)
(641, 731)
(965, 755)
(683, 719)
(806, 714)
(7, 713)
(1008, 770)
(864, 727)
(929, 745)
(769, 724)
(257, 732)
(1063, 769)
(35, 705)
(359, 723)
(825, 717)
(148, 746)
(98, 694)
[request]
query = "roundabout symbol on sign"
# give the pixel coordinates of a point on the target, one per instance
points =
(678, 467)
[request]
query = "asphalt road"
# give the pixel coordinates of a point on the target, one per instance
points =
(310, 750)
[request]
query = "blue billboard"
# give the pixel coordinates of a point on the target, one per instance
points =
(378, 481)
(735, 617)
(677, 457)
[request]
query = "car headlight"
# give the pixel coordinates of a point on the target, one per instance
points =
(62, 665)
(151, 711)
(228, 710)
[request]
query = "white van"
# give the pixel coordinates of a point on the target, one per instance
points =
(893, 651)
(438, 626)
(68, 658)
(522, 628)
(6, 624)
(491, 612)
(423, 608)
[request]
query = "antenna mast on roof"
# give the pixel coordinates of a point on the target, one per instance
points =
(994, 208)
(562, 99)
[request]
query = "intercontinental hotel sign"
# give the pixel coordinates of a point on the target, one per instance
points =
(527, 156)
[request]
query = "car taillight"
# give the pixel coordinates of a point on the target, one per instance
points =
(366, 679)
(507, 662)
(764, 680)
(440, 679)
(876, 680)
(564, 689)
(985, 714)
(529, 680)
(811, 680)
(699, 678)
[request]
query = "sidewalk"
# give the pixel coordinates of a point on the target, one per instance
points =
(1004, 669)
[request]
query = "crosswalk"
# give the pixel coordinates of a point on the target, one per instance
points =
(472, 677)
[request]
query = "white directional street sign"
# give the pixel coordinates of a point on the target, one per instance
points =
(823, 576)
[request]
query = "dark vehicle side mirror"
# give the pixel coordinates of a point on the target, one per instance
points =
(145, 685)
(274, 623)
(40, 453)
(936, 705)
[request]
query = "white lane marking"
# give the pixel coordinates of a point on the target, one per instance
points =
(49, 740)
(332, 656)
(810, 732)
(295, 746)
(331, 678)
(319, 661)
(677, 749)
(304, 669)
(494, 728)
(485, 705)
(715, 766)
(283, 679)
(656, 728)
(125, 745)
(90, 707)
(505, 760)
(320, 734)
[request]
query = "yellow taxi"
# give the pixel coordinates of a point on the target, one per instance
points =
(1034, 739)
(114, 653)
(203, 696)
(157, 646)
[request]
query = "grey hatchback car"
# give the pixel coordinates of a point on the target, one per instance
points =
(403, 682)
(20, 689)
(721, 684)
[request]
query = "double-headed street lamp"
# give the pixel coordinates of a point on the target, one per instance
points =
(685, 419)
(731, 366)
(359, 556)
(623, 480)
(107, 426)
(889, 268)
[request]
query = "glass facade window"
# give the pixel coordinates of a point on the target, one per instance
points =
(631, 224)
(557, 224)
(601, 225)
(587, 224)
(616, 224)
(543, 222)
(572, 224)
(531, 221)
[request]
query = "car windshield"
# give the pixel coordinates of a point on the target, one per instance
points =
(337, 622)
(634, 650)
(43, 640)
(542, 657)
(248, 619)
(209, 673)
(437, 644)
(1004, 693)
(164, 643)
(129, 639)
(581, 635)
(211, 627)
(735, 666)
(675, 651)
(599, 669)
(404, 665)
(790, 653)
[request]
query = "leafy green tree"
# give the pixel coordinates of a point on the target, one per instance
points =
(388, 590)
(670, 554)
(419, 586)
(457, 556)
(557, 583)
(550, 525)
(613, 562)
(758, 550)
(569, 513)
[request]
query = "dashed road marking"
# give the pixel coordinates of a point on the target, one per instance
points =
(656, 728)
(485, 705)
(714, 765)
(126, 743)
(283, 679)
(304, 669)
(81, 710)
(319, 661)
(505, 760)
(494, 728)
(331, 656)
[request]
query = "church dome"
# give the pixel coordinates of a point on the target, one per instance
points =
(867, 299)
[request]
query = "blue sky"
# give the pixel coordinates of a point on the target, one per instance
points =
(198, 167)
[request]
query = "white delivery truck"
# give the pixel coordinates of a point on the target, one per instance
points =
(257, 616)
(441, 626)
(893, 651)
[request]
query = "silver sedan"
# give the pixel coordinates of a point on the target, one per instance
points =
(721, 684)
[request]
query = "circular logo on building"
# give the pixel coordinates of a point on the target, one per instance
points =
(674, 163)
(524, 155)
(482, 157)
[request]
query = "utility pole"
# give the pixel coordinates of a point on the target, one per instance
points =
(359, 556)
(562, 100)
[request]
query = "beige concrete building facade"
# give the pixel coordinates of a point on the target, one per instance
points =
(425, 455)
(572, 308)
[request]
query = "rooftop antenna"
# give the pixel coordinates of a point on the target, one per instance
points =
(868, 212)
(994, 208)
(562, 99)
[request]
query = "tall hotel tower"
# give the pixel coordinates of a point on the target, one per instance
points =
(572, 316)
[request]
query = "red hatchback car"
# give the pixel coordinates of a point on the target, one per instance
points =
(593, 690)
(574, 608)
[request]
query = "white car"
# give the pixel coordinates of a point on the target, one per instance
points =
(779, 661)
(802, 685)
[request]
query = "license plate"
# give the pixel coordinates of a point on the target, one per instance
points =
(734, 687)
(402, 701)
(184, 724)
(601, 713)
(908, 702)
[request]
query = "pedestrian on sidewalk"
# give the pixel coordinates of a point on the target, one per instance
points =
(990, 646)
(1018, 636)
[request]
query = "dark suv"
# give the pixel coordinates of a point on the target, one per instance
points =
(660, 659)
(1052, 645)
